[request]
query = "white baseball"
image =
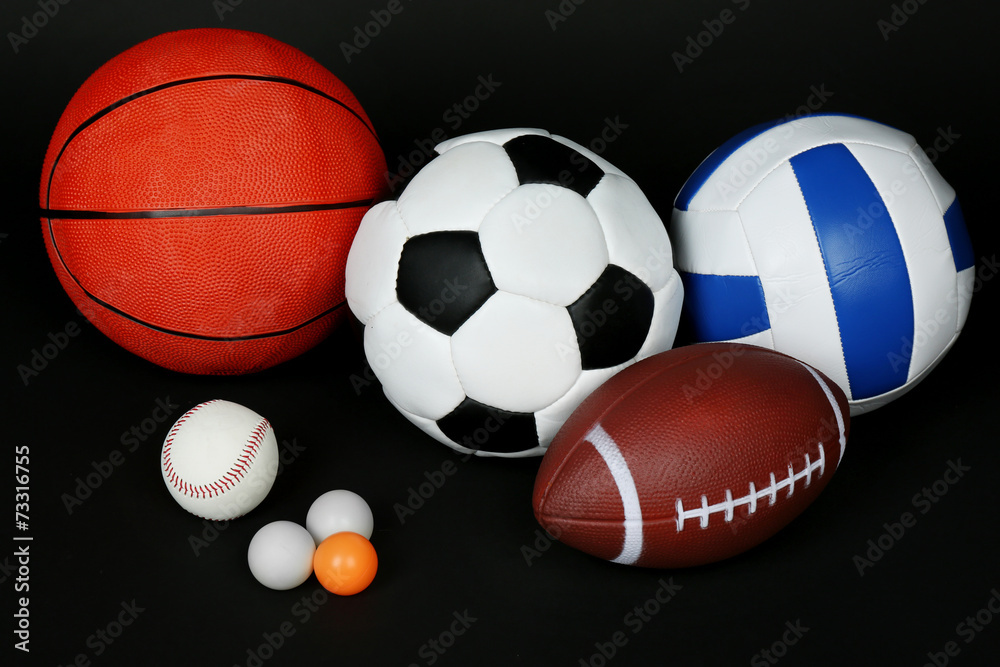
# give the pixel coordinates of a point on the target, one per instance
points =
(219, 460)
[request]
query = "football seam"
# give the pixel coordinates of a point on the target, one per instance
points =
(595, 422)
(728, 506)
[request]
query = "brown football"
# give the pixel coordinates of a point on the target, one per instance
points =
(692, 456)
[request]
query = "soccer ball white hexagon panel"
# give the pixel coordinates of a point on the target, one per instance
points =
(516, 273)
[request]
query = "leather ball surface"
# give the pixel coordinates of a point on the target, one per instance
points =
(692, 456)
(200, 194)
(831, 238)
(515, 273)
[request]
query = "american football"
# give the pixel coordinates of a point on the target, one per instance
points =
(692, 456)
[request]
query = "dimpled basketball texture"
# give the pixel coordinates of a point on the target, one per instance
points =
(692, 456)
(200, 195)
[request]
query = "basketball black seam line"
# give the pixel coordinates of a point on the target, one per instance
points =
(172, 84)
(73, 214)
(119, 103)
(183, 334)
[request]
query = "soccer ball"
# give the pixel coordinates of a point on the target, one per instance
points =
(516, 272)
(833, 239)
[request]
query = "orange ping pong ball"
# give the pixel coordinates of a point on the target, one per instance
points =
(345, 563)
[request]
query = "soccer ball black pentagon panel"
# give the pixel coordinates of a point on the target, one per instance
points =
(515, 273)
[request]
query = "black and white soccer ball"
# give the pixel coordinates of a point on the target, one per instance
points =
(515, 273)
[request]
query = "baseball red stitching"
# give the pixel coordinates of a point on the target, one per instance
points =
(227, 481)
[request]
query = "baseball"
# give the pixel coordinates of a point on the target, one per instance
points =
(219, 460)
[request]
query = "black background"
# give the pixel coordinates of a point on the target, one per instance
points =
(463, 549)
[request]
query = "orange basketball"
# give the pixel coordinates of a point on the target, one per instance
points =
(200, 195)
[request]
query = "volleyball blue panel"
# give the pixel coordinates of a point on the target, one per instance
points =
(958, 237)
(712, 162)
(705, 170)
(865, 266)
(724, 307)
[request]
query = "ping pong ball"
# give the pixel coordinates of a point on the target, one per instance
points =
(339, 511)
(345, 563)
(281, 555)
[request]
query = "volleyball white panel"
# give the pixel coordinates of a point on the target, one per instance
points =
(963, 295)
(869, 404)
(793, 275)
(760, 339)
(413, 363)
(944, 194)
(712, 243)
(926, 248)
(749, 164)
(370, 284)
(451, 194)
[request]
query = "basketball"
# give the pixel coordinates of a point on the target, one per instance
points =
(199, 197)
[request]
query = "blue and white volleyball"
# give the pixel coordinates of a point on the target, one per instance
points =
(830, 238)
